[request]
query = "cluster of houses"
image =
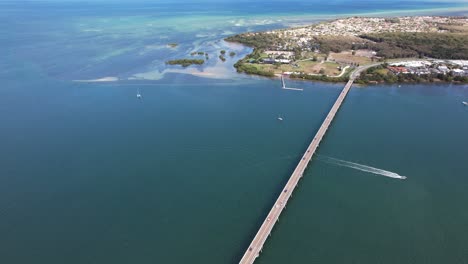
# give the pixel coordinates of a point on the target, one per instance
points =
(273, 61)
(355, 26)
(426, 67)
(305, 37)
(275, 56)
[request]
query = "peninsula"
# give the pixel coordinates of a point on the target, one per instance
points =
(408, 49)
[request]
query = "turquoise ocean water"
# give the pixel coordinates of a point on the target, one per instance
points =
(91, 174)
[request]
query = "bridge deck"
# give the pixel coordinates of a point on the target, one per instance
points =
(257, 243)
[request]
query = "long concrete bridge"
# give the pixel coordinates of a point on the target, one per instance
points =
(260, 238)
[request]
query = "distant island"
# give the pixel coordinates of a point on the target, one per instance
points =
(185, 62)
(198, 53)
(404, 49)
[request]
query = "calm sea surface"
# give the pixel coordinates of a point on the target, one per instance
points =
(91, 174)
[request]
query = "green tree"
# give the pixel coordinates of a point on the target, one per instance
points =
(185, 62)
(297, 53)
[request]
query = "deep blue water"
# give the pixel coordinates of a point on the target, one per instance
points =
(91, 174)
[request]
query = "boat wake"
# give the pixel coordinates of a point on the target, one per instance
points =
(360, 167)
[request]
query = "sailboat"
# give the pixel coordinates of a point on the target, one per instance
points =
(138, 94)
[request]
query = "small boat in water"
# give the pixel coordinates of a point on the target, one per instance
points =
(138, 94)
(465, 103)
(280, 118)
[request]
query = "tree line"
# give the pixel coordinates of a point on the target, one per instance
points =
(375, 74)
(185, 62)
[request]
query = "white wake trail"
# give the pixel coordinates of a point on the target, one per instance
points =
(360, 167)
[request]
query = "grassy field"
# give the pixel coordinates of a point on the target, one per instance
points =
(330, 68)
(382, 71)
(348, 57)
(310, 55)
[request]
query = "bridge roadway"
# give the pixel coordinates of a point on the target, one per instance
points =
(257, 243)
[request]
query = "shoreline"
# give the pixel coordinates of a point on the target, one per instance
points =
(307, 18)
(278, 76)
(299, 52)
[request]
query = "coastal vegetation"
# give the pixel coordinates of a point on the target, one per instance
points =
(245, 65)
(185, 62)
(259, 40)
(434, 45)
(322, 78)
(198, 53)
(252, 69)
(222, 58)
(380, 74)
(328, 69)
(387, 45)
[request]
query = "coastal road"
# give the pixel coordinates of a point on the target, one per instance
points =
(358, 71)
